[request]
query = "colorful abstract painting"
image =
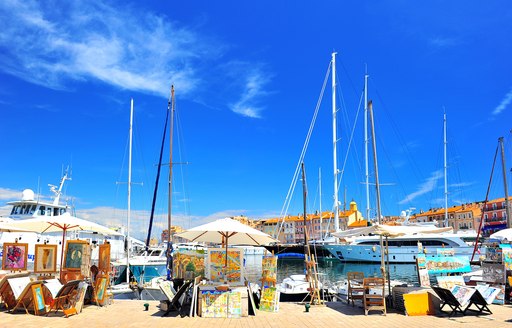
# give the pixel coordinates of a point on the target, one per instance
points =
(14, 256)
(218, 271)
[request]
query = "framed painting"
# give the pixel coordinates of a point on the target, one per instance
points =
(101, 288)
(45, 258)
(75, 250)
(15, 256)
(38, 299)
(104, 258)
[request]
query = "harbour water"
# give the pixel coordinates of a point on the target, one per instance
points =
(330, 270)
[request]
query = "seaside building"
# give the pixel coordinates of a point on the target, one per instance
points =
(460, 217)
(291, 228)
(495, 216)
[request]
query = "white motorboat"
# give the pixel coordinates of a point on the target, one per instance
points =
(32, 206)
(403, 248)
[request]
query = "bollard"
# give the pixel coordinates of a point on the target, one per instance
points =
(146, 306)
(307, 307)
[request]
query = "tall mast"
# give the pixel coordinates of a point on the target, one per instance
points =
(377, 189)
(504, 168)
(366, 141)
(320, 198)
(169, 216)
(334, 141)
(128, 244)
(445, 176)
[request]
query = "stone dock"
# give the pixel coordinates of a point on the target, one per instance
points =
(123, 313)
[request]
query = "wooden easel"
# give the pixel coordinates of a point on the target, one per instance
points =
(312, 277)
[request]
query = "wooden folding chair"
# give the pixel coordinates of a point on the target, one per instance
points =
(374, 298)
(65, 299)
(26, 300)
(6, 293)
(176, 302)
(355, 289)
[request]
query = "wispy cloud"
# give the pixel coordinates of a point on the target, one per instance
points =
(250, 86)
(424, 188)
(121, 46)
(50, 45)
(443, 42)
(503, 104)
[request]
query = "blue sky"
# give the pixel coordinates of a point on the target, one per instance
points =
(247, 79)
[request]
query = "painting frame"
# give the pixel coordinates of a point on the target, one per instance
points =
(73, 255)
(38, 299)
(10, 254)
(45, 260)
(100, 287)
(104, 258)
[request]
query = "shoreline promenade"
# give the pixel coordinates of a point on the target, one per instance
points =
(124, 313)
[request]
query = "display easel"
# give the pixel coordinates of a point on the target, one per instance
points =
(312, 278)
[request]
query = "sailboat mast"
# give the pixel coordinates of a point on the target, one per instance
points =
(128, 244)
(320, 200)
(169, 216)
(445, 175)
(334, 141)
(366, 141)
(504, 168)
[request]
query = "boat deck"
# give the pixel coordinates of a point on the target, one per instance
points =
(131, 314)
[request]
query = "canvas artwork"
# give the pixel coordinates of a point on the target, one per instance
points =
(214, 304)
(463, 294)
(269, 269)
(507, 258)
(101, 286)
(104, 258)
(235, 305)
(489, 293)
(445, 251)
(188, 264)
(448, 282)
(75, 250)
(447, 264)
(494, 272)
(37, 294)
(424, 278)
(45, 258)
(269, 299)
(217, 270)
(14, 256)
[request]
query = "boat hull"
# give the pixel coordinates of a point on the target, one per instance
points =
(372, 254)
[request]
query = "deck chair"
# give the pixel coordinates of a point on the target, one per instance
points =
(6, 293)
(175, 302)
(447, 298)
(25, 298)
(373, 297)
(355, 289)
(65, 299)
(479, 302)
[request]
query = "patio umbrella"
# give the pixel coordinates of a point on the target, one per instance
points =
(502, 235)
(227, 231)
(62, 223)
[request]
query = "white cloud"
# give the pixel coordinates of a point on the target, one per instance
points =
(443, 42)
(424, 188)
(503, 104)
(82, 41)
(253, 81)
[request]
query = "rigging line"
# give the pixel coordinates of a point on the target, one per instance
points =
(151, 217)
(287, 202)
(351, 137)
(401, 139)
(485, 203)
(181, 155)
